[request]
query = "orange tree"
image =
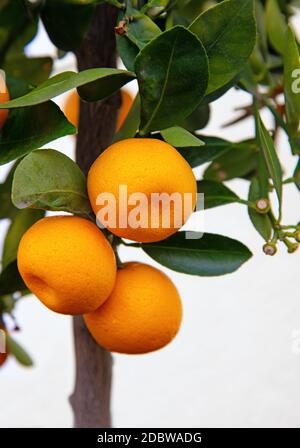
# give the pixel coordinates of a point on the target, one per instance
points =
(184, 55)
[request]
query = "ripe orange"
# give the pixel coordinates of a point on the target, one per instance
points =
(68, 264)
(144, 166)
(142, 314)
(4, 97)
(127, 101)
(71, 108)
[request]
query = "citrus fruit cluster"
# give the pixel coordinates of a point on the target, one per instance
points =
(70, 265)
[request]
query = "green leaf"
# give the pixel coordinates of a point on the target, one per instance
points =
(127, 51)
(180, 138)
(216, 94)
(237, 162)
(270, 156)
(10, 280)
(16, 18)
(131, 123)
(214, 148)
(20, 224)
(276, 26)
(141, 29)
(33, 70)
(18, 352)
(261, 222)
(216, 194)
(7, 209)
(93, 84)
(228, 33)
(172, 73)
(211, 255)
(292, 82)
(66, 24)
(47, 179)
(29, 128)
(198, 119)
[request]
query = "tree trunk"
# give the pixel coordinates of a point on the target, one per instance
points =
(91, 397)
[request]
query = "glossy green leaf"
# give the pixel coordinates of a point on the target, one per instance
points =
(172, 73)
(131, 123)
(47, 179)
(29, 128)
(211, 255)
(141, 29)
(216, 193)
(213, 149)
(180, 138)
(219, 92)
(228, 33)
(198, 119)
(93, 84)
(127, 51)
(33, 70)
(261, 222)
(20, 224)
(10, 280)
(270, 155)
(237, 162)
(292, 82)
(157, 3)
(16, 19)
(7, 209)
(18, 352)
(276, 26)
(263, 178)
(66, 24)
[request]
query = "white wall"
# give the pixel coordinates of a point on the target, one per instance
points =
(232, 363)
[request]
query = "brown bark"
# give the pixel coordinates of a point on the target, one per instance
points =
(91, 397)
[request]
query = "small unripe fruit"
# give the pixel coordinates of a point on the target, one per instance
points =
(270, 249)
(292, 247)
(297, 236)
(262, 205)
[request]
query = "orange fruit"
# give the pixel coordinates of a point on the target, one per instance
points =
(146, 166)
(142, 314)
(127, 101)
(4, 97)
(72, 103)
(71, 108)
(68, 264)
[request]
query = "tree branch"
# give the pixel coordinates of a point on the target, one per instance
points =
(91, 397)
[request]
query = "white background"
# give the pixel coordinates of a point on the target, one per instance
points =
(233, 362)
